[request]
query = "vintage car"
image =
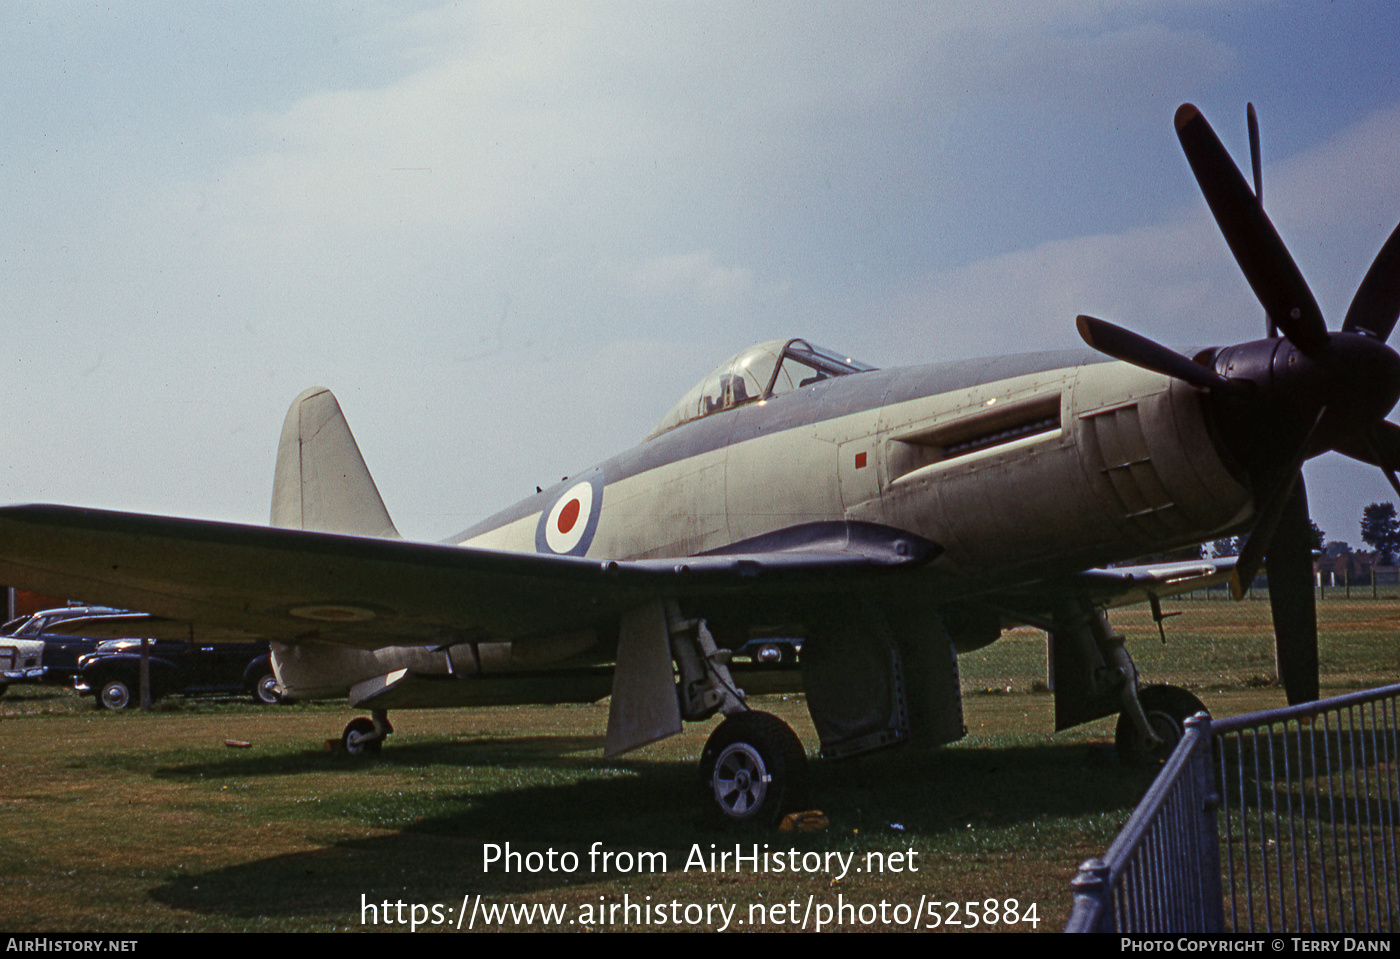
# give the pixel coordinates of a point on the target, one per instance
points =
(113, 671)
(38, 649)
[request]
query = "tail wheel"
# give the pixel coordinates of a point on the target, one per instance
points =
(753, 768)
(1167, 709)
(358, 737)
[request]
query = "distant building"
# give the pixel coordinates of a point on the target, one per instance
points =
(1339, 566)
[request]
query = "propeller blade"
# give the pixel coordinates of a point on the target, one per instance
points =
(1264, 260)
(1376, 305)
(1131, 348)
(1256, 162)
(1379, 445)
(1256, 546)
(1292, 600)
(1271, 514)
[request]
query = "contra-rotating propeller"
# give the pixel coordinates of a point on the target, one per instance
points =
(1278, 401)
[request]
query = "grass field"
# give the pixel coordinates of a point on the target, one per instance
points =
(132, 822)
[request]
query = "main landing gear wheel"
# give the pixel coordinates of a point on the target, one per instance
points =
(358, 738)
(753, 768)
(1167, 709)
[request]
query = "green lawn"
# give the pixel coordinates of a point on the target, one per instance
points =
(133, 822)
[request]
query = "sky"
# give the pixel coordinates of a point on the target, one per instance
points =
(510, 236)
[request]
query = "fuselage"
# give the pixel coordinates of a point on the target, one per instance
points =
(1018, 467)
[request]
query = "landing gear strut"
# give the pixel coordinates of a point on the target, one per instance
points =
(1095, 677)
(753, 769)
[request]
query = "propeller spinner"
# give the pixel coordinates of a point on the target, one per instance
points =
(1279, 401)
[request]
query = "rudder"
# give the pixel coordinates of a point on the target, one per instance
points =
(321, 482)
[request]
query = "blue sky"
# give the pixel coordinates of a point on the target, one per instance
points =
(508, 236)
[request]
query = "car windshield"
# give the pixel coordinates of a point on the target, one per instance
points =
(12, 627)
(757, 373)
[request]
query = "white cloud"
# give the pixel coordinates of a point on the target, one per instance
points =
(685, 274)
(1175, 282)
(1336, 203)
(1118, 73)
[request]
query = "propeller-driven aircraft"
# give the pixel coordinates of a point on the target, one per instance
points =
(890, 519)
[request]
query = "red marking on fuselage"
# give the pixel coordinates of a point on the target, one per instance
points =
(568, 516)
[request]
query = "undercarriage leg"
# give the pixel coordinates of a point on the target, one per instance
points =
(1091, 671)
(753, 768)
(1094, 677)
(706, 685)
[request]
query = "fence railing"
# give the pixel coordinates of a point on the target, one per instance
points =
(1284, 820)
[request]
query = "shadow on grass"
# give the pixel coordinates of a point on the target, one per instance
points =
(889, 801)
(557, 751)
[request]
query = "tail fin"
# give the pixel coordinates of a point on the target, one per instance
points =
(321, 482)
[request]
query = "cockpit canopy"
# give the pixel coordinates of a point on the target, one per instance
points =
(757, 373)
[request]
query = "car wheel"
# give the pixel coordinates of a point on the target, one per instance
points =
(265, 691)
(114, 695)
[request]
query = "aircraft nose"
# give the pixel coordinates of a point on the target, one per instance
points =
(1361, 377)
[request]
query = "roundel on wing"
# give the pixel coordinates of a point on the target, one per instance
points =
(567, 524)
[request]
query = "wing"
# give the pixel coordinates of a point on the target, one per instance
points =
(1125, 585)
(296, 585)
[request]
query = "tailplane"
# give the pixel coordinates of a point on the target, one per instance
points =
(322, 482)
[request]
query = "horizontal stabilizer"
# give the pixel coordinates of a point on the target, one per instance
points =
(403, 689)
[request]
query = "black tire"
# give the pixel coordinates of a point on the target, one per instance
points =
(265, 690)
(1167, 709)
(114, 694)
(753, 769)
(353, 739)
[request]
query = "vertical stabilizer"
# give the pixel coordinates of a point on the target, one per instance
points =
(322, 482)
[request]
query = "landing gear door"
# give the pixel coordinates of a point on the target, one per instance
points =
(644, 707)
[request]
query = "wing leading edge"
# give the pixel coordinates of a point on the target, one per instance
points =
(1127, 585)
(296, 585)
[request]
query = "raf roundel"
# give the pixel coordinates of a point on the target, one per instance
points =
(567, 524)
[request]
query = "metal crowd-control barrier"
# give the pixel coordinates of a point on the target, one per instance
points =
(1280, 821)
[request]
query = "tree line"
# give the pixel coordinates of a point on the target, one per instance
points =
(1380, 530)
